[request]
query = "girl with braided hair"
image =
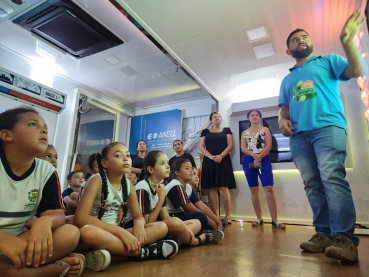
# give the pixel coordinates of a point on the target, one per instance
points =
(101, 199)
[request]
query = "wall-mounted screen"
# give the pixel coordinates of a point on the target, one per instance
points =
(280, 151)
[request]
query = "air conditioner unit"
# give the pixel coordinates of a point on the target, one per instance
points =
(70, 28)
(30, 92)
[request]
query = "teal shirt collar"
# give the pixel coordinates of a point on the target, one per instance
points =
(311, 59)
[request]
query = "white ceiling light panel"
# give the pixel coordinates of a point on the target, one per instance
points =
(113, 60)
(263, 51)
(257, 34)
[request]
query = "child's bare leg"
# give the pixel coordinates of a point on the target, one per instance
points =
(177, 228)
(195, 227)
(96, 238)
(155, 231)
(65, 240)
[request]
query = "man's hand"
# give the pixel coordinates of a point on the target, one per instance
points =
(285, 125)
(351, 27)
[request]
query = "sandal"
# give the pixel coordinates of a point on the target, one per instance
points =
(82, 263)
(229, 220)
(207, 239)
(217, 235)
(224, 223)
(278, 225)
(257, 223)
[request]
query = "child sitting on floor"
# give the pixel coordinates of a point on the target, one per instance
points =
(100, 202)
(213, 221)
(152, 199)
(182, 198)
(75, 180)
(29, 185)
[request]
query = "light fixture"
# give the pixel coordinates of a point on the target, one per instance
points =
(46, 52)
(113, 60)
(263, 51)
(257, 34)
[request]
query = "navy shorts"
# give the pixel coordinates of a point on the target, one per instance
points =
(266, 175)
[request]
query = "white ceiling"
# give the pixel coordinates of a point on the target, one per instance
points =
(94, 72)
(208, 38)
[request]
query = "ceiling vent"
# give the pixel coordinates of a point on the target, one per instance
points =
(263, 51)
(68, 27)
(257, 34)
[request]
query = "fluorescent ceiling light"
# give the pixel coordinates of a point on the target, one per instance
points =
(113, 60)
(263, 51)
(128, 71)
(46, 52)
(257, 34)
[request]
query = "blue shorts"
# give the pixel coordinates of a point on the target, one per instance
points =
(266, 175)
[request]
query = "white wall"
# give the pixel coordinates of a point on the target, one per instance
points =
(65, 122)
(196, 107)
(292, 203)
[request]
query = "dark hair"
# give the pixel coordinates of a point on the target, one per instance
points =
(10, 117)
(90, 161)
(294, 32)
(50, 145)
(177, 140)
(211, 115)
(70, 175)
(176, 167)
(149, 160)
(254, 110)
(104, 186)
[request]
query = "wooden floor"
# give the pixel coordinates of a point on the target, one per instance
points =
(246, 251)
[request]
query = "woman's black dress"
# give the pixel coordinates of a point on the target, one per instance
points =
(137, 161)
(215, 174)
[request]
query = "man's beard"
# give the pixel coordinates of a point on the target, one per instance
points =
(302, 53)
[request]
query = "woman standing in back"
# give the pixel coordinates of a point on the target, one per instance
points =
(217, 172)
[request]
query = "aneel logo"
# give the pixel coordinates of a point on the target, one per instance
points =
(167, 134)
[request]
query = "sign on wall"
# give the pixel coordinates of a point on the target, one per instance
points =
(159, 130)
(94, 136)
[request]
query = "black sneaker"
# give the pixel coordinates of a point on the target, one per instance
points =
(343, 249)
(163, 249)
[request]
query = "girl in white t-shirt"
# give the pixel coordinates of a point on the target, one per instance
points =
(101, 199)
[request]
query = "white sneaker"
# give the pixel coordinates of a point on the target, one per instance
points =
(97, 260)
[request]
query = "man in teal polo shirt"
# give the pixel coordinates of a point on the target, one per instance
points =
(312, 115)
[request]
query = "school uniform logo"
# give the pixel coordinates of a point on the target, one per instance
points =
(303, 91)
(32, 197)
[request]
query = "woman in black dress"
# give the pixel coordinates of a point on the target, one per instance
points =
(137, 160)
(217, 172)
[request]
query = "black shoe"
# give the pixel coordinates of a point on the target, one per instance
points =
(163, 249)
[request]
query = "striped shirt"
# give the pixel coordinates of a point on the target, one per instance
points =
(179, 196)
(114, 202)
(37, 190)
(147, 198)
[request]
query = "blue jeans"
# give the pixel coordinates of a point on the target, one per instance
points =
(320, 157)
